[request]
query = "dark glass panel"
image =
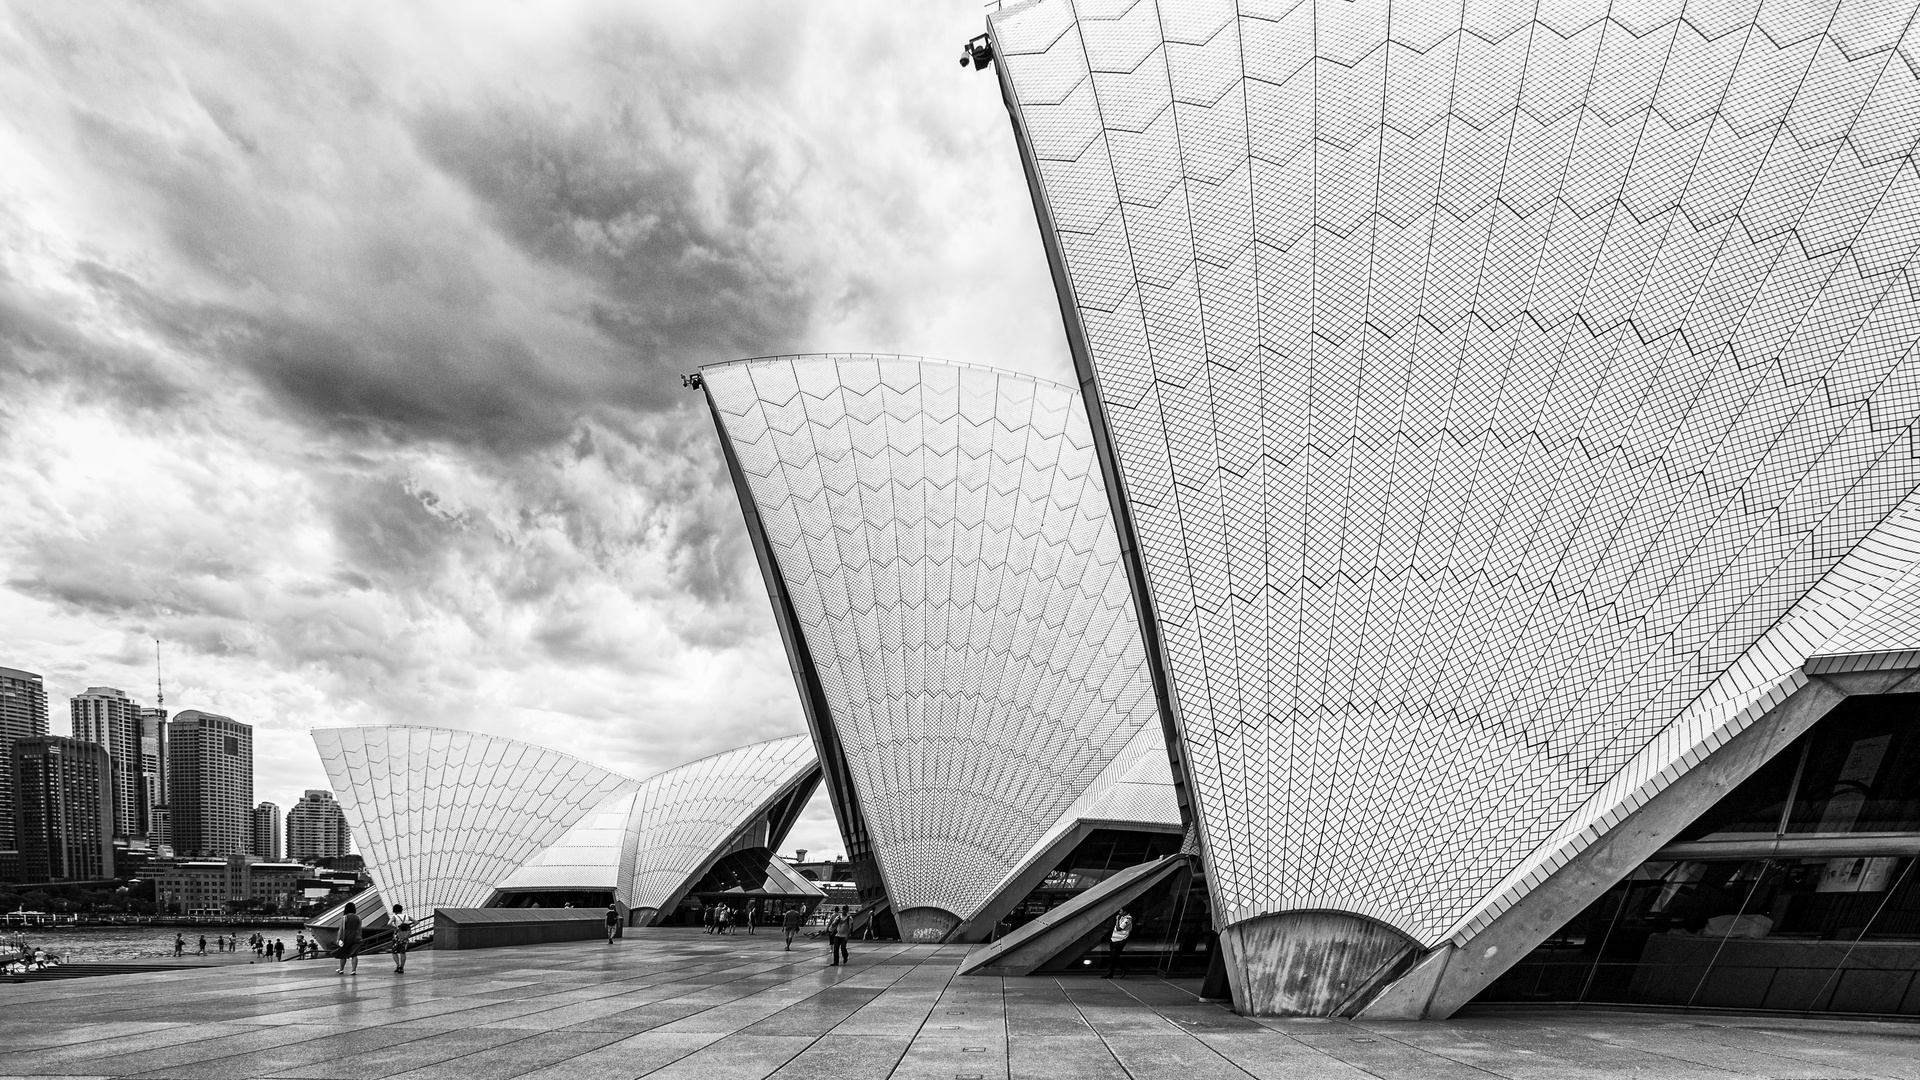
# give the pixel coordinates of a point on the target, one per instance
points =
(1172, 933)
(1863, 773)
(1102, 854)
(1757, 805)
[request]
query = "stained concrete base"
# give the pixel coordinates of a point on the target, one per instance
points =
(1310, 963)
(676, 1004)
(926, 925)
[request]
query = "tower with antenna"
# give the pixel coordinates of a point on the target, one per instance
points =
(153, 761)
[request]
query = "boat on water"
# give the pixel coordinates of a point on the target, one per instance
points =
(23, 918)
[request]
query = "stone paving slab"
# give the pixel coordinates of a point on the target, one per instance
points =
(682, 1005)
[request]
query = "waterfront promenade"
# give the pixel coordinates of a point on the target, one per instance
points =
(671, 1004)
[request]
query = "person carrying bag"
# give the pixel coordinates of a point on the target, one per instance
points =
(837, 932)
(402, 933)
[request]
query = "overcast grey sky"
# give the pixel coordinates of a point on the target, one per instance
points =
(339, 344)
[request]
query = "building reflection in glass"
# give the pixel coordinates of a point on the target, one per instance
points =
(1796, 892)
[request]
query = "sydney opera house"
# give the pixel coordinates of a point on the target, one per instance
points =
(454, 819)
(1480, 558)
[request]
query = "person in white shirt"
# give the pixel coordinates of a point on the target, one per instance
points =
(1117, 941)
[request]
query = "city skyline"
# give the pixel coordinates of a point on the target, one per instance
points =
(822, 838)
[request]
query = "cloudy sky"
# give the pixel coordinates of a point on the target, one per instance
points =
(340, 345)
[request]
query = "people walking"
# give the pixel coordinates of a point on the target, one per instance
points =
(791, 921)
(613, 921)
(724, 920)
(179, 945)
(710, 916)
(402, 937)
(751, 912)
(203, 944)
(1117, 941)
(838, 930)
(279, 949)
(349, 949)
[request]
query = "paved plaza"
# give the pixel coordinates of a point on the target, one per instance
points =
(680, 1004)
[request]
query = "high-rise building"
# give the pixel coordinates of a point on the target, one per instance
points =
(317, 827)
(266, 832)
(23, 714)
(107, 717)
(210, 784)
(153, 775)
(64, 814)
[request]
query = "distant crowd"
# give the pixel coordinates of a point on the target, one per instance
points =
(263, 949)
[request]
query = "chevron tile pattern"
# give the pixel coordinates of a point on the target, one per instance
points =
(947, 547)
(444, 817)
(1484, 380)
(1134, 790)
(686, 817)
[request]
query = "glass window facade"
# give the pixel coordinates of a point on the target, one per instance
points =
(1796, 892)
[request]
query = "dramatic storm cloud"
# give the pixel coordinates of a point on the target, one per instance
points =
(340, 345)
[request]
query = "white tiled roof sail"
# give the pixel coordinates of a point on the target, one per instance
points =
(683, 817)
(1134, 790)
(445, 817)
(948, 549)
(1484, 381)
(586, 857)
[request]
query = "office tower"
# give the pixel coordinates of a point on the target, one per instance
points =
(153, 775)
(266, 832)
(23, 713)
(317, 827)
(210, 781)
(64, 818)
(107, 717)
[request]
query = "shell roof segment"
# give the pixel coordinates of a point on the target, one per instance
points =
(1485, 382)
(945, 540)
(682, 818)
(445, 817)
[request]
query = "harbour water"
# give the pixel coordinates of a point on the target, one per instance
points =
(122, 944)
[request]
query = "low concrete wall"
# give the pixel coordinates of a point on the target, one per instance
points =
(492, 928)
